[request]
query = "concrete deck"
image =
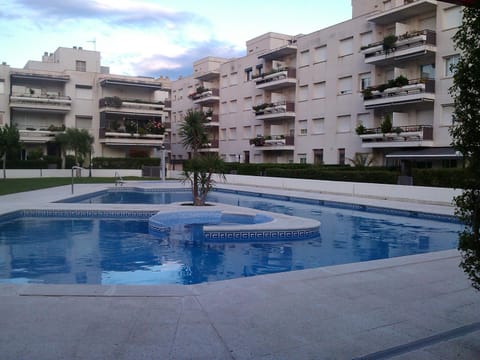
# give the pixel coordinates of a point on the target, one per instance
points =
(415, 307)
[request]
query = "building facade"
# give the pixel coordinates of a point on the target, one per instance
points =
(376, 86)
(70, 89)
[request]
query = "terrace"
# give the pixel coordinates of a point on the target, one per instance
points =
(274, 111)
(400, 136)
(52, 102)
(276, 79)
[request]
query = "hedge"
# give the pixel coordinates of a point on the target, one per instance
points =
(319, 173)
(448, 177)
(123, 163)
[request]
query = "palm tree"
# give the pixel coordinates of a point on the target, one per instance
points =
(78, 140)
(9, 141)
(200, 168)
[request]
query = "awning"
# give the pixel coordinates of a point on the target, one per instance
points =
(425, 154)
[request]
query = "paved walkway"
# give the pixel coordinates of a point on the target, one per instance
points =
(415, 307)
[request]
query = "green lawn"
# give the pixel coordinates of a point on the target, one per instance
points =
(10, 186)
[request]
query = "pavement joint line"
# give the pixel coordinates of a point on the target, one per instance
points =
(421, 343)
(105, 296)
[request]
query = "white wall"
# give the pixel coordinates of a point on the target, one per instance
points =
(420, 194)
(33, 173)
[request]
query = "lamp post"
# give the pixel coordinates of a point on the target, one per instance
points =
(162, 163)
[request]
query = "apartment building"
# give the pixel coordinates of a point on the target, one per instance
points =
(70, 89)
(376, 84)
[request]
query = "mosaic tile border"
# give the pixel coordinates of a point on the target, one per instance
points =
(81, 213)
(259, 235)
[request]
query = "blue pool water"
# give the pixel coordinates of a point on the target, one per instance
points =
(121, 251)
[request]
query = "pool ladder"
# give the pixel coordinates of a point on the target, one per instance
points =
(118, 179)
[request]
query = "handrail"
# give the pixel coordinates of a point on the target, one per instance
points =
(75, 168)
(118, 179)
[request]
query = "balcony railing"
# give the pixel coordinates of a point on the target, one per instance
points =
(274, 142)
(415, 91)
(278, 110)
(206, 96)
(131, 105)
(400, 136)
(211, 145)
(406, 46)
(276, 79)
(212, 120)
(113, 138)
(37, 136)
(54, 102)
(407, 9)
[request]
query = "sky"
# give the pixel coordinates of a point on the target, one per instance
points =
(154, 37)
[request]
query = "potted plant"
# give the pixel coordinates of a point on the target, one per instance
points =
(360, 129)
(389, 42)
(386, 125)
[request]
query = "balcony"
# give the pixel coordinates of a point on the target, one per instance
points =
(405, 47)
(408, 9)
(112, 138)
(205, 96)
(420, 92)
(211, 120)
(32, 136)
(130, 106)
(50, 102)
(280, 53)
(276, 79)
(273, 142)
(275, 111)
(210, 75)
(211, 146)
(401, 136)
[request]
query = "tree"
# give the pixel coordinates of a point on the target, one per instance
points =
(466, 138)
(77, 140)
(200, 168)
(9, 142)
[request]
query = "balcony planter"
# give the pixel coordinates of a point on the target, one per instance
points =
(386, 125)
(389, 42)
(360, 129)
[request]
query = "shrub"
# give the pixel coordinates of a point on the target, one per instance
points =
(123, 163)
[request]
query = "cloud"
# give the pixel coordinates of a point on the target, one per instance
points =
(119, 12)
(173, 66)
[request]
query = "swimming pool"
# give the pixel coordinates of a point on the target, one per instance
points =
(120, 250)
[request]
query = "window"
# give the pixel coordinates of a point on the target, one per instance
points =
(258, 130)
(318, 156)
(450, 63)
(80, 65)
(427, 71)
(223, 134)
(320, 54)
(345, 85)
(365, 120)
(233, 79)
(223, 107)
(365, 81)
(319, 90)
(224, 81)
(341, 156)
(343, 124)
(2, 86)
(233, 106)
(366, 38)
(1, 117)
(247, 132)
(259, 68)
(83, 122)
(247, 103)
(248, 74)
(302, 158)
(452, 17)
(447, 115)
(232, 133)
(346, 47)
(318, 126)
(304, 58)
(302, 125)
(303, 93)
(83, 92)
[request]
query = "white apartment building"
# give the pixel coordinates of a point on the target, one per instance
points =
(302, 98)
(70, 89)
